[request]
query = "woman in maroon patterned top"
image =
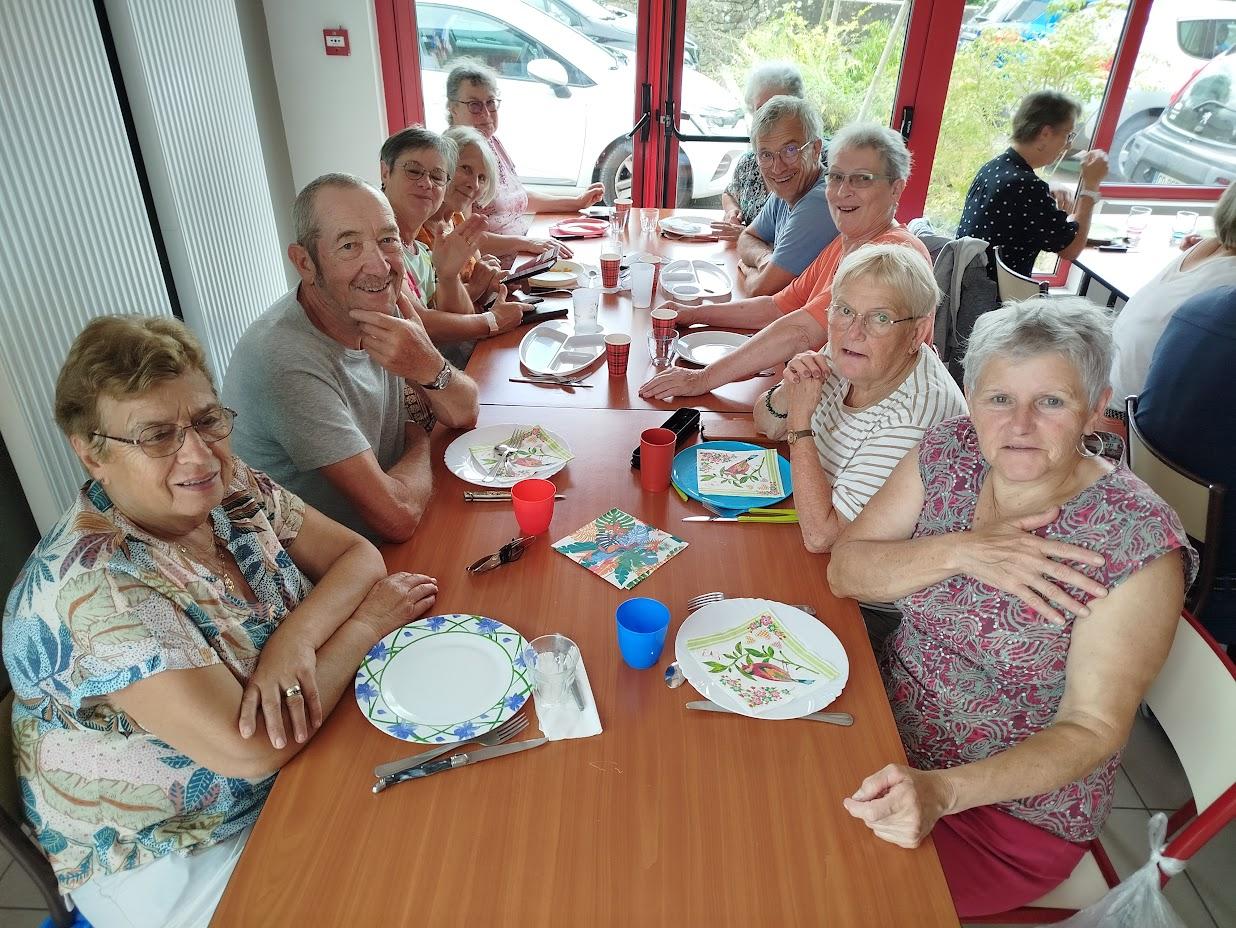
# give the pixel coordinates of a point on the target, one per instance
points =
(1040, 586)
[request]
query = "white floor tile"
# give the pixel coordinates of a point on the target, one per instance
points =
(21, 918)
(1126, 796)
(18, 890)
(1212, 870)
(1151, 764)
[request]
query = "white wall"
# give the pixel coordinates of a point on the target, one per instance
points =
(334, 114)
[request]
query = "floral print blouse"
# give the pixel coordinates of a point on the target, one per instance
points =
(507, 212)
(972, 671)
(747, 187)
(101, 604)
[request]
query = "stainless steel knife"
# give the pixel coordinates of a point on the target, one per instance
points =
(833, 718)
(457, 760)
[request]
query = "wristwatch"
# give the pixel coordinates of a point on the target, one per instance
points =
(795, 434)
(1093, 194)
(490, 320)
(443, 378)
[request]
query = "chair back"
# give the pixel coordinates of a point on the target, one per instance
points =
(1014, 286)
(1198, 502)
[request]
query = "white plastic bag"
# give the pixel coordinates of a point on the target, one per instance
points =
(1138, 902)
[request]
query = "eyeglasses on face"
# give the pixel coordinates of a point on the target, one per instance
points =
(877, 323)
(166, 438)
(415, 172)
(477, 107)
(859, 180)
(787, 153)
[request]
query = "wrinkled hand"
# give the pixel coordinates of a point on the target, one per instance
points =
(482, 281)
(541, 247)
(594, 194)
(808, 365)
(508, 314)
(686, 314)
(801, 397)
(1189, 241)
(287, 660)
(452, 251)
(1093, 168)
(394, 601)
(677, 381)
(734, 215)
(901, 804)
(1063, 197)
(1008, 556)
(727, 229)
(400, 343)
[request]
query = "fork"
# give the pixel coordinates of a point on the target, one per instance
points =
(504, 732)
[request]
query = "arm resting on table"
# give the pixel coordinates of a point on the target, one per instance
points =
(391, 502)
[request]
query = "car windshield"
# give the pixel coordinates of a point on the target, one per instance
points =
(1207, 108)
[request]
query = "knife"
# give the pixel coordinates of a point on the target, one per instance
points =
(485, 496)
(835, 718)
(382, 771)
(786, 519)
(456, 760)
(551, 383)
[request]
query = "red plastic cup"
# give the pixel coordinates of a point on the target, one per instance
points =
(656, 261)
(622, 209)
(534, 505)
(656, 454)
(617, 353)
(611, 264)
(664, 321)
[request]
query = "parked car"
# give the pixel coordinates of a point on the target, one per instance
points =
(567, 102)
(604, 24)
(1194, 141)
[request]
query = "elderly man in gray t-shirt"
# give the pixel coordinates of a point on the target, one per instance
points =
(337, 384)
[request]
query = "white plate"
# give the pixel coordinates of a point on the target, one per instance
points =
(553, 347)
(597, 212)
(442, 679)
(703, 348)
(692, 281)
(562, 274)
(687, 225)
(813, 634)
(461, 462)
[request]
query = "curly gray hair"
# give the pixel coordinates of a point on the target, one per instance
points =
(773, 78)
(783, 107)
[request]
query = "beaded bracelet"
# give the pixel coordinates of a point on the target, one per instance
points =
(769, 406)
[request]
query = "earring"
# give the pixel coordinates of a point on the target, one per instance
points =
(1086, 449)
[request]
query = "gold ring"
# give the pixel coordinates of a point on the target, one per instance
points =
(292, 692)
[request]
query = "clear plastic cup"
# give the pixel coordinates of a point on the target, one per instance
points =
(553, 661)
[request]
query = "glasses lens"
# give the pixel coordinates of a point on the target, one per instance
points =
(215, 425)
(159, 441)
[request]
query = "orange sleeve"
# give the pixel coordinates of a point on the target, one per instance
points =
(803, 288)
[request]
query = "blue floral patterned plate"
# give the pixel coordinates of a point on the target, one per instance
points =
(444, 678)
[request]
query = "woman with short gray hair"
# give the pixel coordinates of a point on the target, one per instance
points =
(746, 194)
(1040, 586)
(1014, 210)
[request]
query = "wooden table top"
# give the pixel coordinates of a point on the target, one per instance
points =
(496, 360)
(1126, 272)
(669, 817)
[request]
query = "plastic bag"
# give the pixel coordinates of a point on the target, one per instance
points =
(1138, 902)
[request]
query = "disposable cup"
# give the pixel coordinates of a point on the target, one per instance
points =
(641, 284)
(664, 321)
(585, 302)
(656, 454)
(611, 264)
(533, 500)
(617, 353)
(642, 624)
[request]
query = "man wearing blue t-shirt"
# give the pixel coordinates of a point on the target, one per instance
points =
(794, 226)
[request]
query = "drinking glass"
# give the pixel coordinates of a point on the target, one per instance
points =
(1139, 218)
(662, 349)
(553, 661)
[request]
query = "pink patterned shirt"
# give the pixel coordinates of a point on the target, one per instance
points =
(507, 212)
(972, 670)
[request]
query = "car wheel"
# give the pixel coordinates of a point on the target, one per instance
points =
(1120, 167)
(618, 176)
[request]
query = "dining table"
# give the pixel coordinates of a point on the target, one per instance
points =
(667, 817)
(1124, 273)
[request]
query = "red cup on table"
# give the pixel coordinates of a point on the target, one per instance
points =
(611, 266)
(656, 261)
(656, 454)
(664, 322)
(617, 353)
(622, 209)
(533, 500)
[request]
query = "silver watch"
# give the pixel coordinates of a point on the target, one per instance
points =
(443, 378)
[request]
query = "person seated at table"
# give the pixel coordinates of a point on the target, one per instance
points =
(177, 637)
(472, 100)
(1209, 263)
(1177, 412)
(340, 383)
(868, 168)
(417, 165)
(868, 397)
(794, 225)
(1040, 587)
(1011, 208)
(746, 195)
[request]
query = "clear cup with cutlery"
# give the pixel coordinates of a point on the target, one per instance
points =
(553, 662)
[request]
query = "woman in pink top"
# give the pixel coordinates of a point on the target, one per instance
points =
(1040, 587)
(472, 100)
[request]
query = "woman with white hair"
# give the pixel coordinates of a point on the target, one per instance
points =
(1040, 588)
(746, 194)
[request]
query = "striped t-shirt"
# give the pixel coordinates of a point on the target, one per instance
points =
(860, 447)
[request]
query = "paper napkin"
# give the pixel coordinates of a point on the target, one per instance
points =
(535, 450)
(738, 473)
(567, 721)
(619, 548)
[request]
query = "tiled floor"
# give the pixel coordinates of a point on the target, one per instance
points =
(1204, 896)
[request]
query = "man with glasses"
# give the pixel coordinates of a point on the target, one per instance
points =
(339, 381)
(1013, 209)
(794, 225)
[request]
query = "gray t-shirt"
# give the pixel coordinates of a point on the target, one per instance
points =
(305, 401)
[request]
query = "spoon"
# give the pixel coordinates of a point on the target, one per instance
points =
(504, 451)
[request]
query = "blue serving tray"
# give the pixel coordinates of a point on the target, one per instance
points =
(684, 476)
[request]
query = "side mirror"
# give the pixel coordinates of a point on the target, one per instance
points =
(550, 72)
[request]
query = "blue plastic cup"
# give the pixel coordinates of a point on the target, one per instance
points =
(642, 624)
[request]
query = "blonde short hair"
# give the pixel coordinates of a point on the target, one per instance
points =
(121, 356)
(465, 136)
(897, 267)
(1225, 217)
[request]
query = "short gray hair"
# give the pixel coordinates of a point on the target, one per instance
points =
(465, 137)
(900, 268)
(888, 142)
(416, 137)
(780, 76)
(467, 70)
(1071, 326)
(783, 107)
(1040, 109)
(305, 223)
(1225, 217)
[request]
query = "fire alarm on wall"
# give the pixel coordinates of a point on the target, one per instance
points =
(336, 41)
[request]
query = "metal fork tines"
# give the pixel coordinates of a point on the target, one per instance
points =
(504, 732)
(716, 596)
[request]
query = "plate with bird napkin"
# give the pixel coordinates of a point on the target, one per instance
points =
(761, 658)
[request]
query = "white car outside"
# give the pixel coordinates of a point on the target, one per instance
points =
(567, 126)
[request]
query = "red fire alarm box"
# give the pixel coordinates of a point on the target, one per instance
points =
(336, 41)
